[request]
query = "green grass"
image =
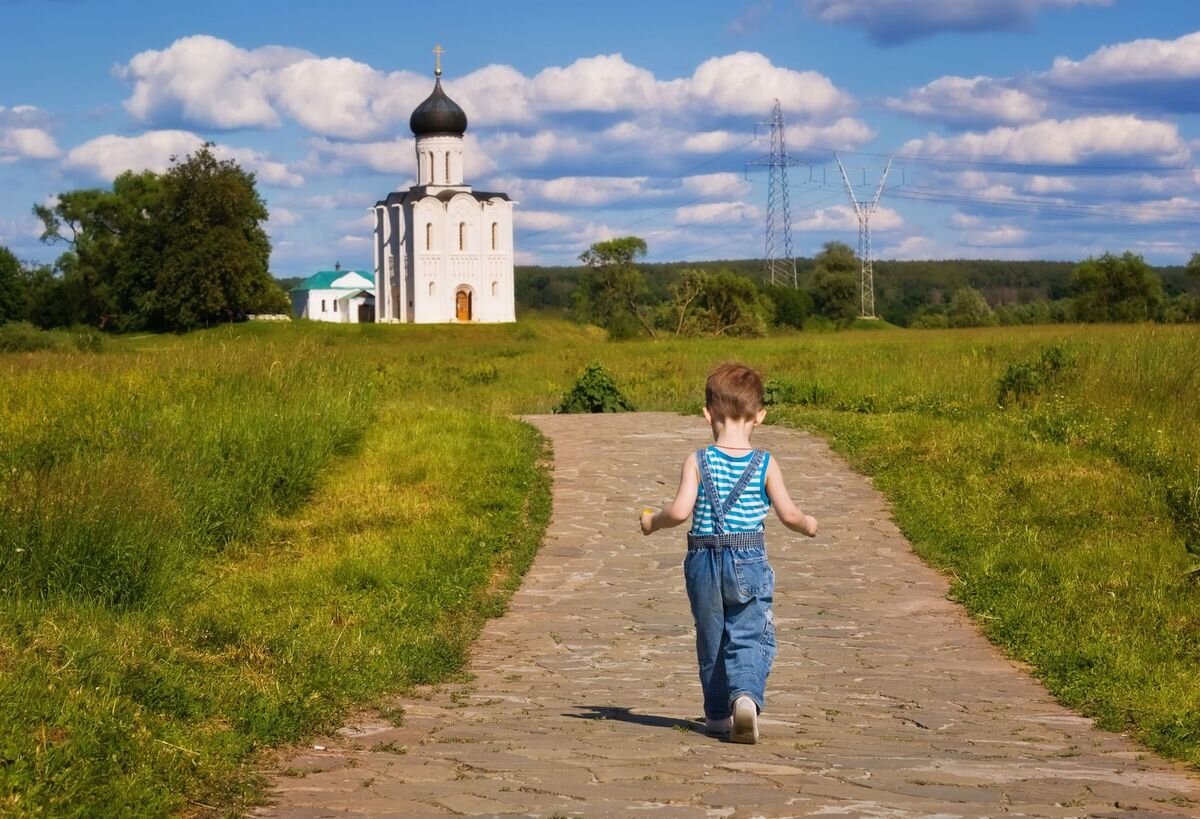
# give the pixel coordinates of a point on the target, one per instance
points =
(217, 543)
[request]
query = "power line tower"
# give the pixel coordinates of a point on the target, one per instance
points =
(779, 260)
(864, 213)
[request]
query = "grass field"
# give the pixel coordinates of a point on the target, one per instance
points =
(216, 543)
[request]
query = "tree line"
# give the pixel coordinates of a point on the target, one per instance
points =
(173, 251)
(615, 290)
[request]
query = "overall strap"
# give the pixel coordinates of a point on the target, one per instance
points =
(721, 508)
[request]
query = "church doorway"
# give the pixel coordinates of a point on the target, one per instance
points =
(462, 305)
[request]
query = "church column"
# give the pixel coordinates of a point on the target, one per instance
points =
(398, 286)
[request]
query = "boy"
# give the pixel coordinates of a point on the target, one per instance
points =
(726, 489)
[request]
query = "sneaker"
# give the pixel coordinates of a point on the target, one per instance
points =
(718, 727)
(745, 721)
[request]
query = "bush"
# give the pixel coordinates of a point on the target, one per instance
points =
(595, 391)
(23, 337)
(1026, 379)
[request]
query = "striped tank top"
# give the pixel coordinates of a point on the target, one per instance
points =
(748, 513)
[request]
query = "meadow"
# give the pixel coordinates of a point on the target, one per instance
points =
(218, 543)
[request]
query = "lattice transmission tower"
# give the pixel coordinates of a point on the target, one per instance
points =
(779, 261)
(864, 213)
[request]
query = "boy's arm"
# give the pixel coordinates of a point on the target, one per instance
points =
(789, 514)
(679, 509)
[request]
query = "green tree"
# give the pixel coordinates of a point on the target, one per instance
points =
(1193, 265)
(834, 283)
(1117, 288)
(968, 308)
(792, 306)
(214, 249)
(612, 291)
(13, 291)
(717, 304)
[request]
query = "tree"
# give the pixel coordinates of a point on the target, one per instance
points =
(792, 306)
(834, 283)
(1117, 288)
(717, 304)
(612, 292)
(968, 308)
(13, 294)
(175, 251)
(1193, 265)
(214, 248)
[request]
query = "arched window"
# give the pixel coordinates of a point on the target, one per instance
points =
(462, 235)
(429, 235)
(495, 234)
(431, 288)
(447, 167)
(431, 179)
(495, 288)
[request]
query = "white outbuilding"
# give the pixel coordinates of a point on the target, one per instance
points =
(443, 252)
(342, 296)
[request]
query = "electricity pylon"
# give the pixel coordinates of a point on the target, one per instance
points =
(864, 214)
(779, 261)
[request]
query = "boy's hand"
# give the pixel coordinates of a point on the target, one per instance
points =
(647, 521)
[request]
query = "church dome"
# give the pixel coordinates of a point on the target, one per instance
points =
(438, 115)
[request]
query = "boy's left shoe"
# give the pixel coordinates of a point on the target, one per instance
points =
(745, 721)
(718, 727)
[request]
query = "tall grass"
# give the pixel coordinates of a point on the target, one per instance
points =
(215, 543)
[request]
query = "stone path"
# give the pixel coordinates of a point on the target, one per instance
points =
(885, 700)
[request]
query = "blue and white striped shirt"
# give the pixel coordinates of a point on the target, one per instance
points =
(748, 513)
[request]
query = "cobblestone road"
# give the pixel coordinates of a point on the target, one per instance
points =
(885, 700)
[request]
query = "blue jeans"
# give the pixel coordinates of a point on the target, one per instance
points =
(730, 591)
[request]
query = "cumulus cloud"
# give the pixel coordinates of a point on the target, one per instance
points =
(891, 22)
(1000, 236)
(574, 191)
(106, 157)
(541, 220)
(24, 116)
(282, 217)
(846, 133)
(710, 184)
(842, 217)
(397, 156)
(1163, 71)
(1064, 142)
(970, 101)
(26, 143)
(914, 247)
(724, 212)
(203, 81)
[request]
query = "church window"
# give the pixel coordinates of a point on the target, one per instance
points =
(495, 234)
(429, 235)
(495, 289)
(431, 179)
(447, 167)
(462, 235)
(322, 305)
(431, 288)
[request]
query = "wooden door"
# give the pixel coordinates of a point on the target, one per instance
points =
(462, 305)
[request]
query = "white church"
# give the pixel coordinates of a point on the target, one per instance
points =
(443, 252)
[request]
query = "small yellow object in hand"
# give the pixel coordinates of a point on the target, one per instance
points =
(647, 511)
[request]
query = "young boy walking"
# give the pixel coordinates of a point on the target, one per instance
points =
(726, 489)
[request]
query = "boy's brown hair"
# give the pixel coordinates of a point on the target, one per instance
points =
(733, 391)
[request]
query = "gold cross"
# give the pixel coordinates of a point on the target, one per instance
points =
(438, 51)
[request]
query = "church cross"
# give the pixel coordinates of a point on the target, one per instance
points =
(438, 51)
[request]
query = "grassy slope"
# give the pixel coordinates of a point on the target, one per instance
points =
(269, 613)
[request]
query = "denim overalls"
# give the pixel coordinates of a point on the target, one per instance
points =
(730, 586)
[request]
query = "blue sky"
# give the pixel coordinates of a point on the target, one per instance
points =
(1022, 128)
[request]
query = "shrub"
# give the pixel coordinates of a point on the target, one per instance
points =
(1025, 379)
(778, 391)
(595, 391)
(23, 337)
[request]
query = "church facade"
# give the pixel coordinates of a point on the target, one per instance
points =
(443, 252)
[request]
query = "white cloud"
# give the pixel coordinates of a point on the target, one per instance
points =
(574, 191)
(914, 247)
(397, 156)
(724, 212)
(519, 150)
(1135, 70)
(207, 81)
(709, 184)
(26, 143)
(748, 83)
(106, 157)
(896, 21)
(1067, 142)
(541, 220)
(711, 142)
(842, 217)
(1048, 184)
(24, 116)
(845, 134)
(1000, 236)
(282, 217)
(351, 240)
(969, 101)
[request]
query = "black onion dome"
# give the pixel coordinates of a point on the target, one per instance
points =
(438, 115)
